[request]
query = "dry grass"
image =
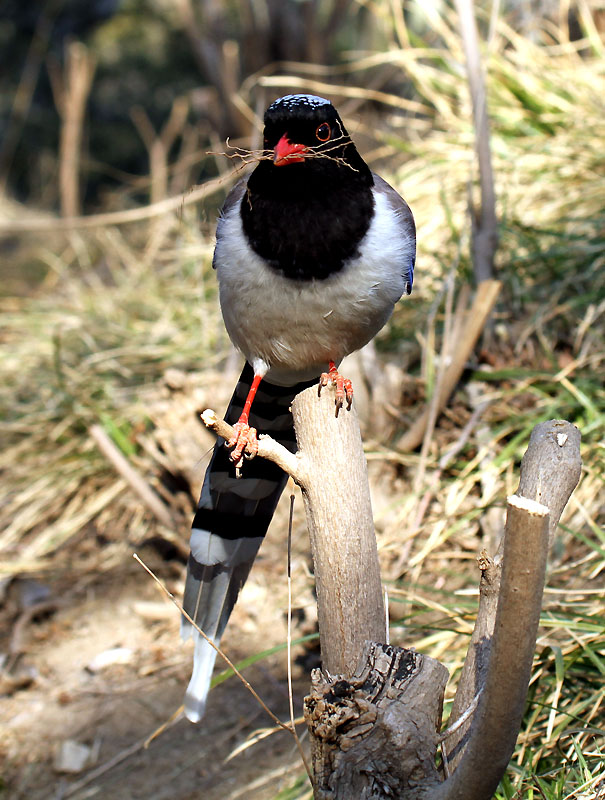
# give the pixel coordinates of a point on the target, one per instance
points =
(127, 334)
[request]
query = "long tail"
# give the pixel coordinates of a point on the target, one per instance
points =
(231, 520)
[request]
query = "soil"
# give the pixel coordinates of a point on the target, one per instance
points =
(102, 599)
(115, 709)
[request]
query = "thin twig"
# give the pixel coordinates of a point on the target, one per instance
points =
(218, 650)
(136, 481)
(166, 206)
(461, 719)
(267, 447)
(313, 151)
(258, 736)
(174, 717)
(386, 617)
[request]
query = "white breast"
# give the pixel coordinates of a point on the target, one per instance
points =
(296, 327)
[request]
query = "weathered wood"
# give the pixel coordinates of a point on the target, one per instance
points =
(551, 467)
(475, 319)
(496, 721)
(374, 721)
(374, 735)
(330, 468)
(483, 217)
(550, 471)
(332, 473)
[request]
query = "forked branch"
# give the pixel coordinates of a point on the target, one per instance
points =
(374, 710)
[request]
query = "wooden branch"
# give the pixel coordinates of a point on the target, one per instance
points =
(550, 471)
(551, 467)
(158, 145)
(334, 480)
(374, 710)
(127, 216)
(79, 71)
(331, 470)
(485, 299)
(373, 720)
(132, 476)
(267, 447)
(496, 722)
(374, 735)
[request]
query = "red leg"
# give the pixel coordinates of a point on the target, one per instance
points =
(344, 387)
(244, 439)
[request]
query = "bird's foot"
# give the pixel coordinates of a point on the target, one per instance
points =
(344, 387)
(244, 443)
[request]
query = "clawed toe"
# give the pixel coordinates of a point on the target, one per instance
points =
(344, 387)
(244, 443)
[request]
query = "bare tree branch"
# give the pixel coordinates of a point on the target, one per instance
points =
(79, 71)
(495, 725)
(134, 478)
(330, 468)
(550, 471)
(341, 528)
(374, 710)
(267, 447)
(170, 204)
(485, 299)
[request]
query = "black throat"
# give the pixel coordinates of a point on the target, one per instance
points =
(308, 219)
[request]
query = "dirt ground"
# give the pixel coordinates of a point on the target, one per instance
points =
(104, 600)
(114, 709)
(53, 693)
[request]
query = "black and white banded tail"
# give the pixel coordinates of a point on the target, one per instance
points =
(232, 518)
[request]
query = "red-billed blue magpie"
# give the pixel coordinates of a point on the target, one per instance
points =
(313, 250)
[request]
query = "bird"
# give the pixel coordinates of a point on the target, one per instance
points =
(313, 251)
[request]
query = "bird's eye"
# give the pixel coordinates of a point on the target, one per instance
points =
(323, 132)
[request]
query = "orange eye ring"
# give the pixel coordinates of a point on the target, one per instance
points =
(323, 132)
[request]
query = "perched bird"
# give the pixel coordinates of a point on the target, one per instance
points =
(313, 250)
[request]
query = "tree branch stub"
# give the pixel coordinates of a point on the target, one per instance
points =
(336, 493)
(267, 447)
(374, 735)
(374, 711)
(495, 725)
(550, 471)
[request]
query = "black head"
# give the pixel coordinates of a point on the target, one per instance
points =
(308, 206)
(306, 132)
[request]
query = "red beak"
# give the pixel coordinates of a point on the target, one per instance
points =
(286, 153)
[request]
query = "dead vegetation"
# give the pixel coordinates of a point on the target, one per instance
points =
(118, 330)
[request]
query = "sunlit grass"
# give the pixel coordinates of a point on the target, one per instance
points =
(93, 340)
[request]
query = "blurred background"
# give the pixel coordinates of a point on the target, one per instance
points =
(124, 124)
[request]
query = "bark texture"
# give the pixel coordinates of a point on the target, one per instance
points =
(505, 673)
(332, 473)
(374, 710)
(374, 735)
(550, 471)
